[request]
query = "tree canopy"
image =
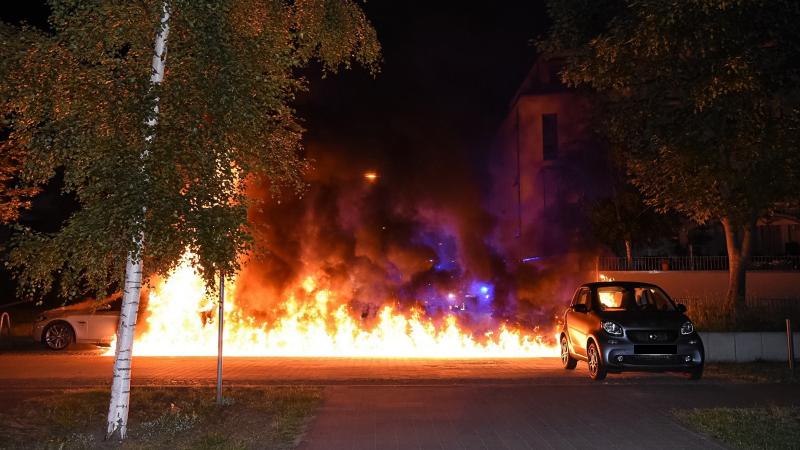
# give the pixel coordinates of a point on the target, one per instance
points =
(13, 197)
(624, 218)
(701, 96)
(78, 96)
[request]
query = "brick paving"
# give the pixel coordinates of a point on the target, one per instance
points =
(501, 417)
(437, 404)
(78, 369)
(602, 416)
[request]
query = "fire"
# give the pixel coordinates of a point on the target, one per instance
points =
(610, 299)
(181, 321)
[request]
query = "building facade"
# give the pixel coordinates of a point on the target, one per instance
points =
(546, 164)
(549, 165)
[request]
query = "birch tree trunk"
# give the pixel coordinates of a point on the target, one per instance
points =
(120, 388)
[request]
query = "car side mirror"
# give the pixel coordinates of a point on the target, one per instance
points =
(580, 307)
(681, 307)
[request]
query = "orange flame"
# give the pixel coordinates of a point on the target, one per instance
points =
(178, 325)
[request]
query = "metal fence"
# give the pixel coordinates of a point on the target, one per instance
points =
(664, 263)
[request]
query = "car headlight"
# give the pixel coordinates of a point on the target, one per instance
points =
(612, 328)
(687, 328)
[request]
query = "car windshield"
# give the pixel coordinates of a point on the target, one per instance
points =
(633, 298)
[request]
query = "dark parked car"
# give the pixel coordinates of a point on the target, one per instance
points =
(622, 326)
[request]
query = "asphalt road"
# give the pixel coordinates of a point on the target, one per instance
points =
(444, 404)
(87, 368)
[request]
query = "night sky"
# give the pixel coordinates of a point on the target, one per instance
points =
(450, 70)
(426, 121)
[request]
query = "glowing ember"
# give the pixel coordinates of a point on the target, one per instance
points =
(181, 322)
(371, 176)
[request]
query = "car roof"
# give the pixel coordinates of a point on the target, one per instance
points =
(88, 303)
(628, 284)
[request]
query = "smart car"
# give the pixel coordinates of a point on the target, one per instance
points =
(89, 322)
(629, 326)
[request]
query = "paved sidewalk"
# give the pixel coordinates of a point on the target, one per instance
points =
(436, 404)
(522, 417)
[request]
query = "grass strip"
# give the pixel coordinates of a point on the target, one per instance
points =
(747, 428)
(163, 418)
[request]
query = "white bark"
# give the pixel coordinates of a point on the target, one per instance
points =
(121, 384)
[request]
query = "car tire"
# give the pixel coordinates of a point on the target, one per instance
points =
(597, 369)
(696, 373)
(58, 335)
(567, 361)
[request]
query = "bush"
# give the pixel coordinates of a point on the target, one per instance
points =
(760, 314)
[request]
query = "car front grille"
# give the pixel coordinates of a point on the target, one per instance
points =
(652, 336)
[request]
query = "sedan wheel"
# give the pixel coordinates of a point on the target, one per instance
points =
(597, 370)
(567, 361)
(59, 335)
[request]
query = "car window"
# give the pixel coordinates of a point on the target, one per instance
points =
(611, 297)
(583, 298)
(622, 298)
(575, 297)
(652, 298)
(113, 305)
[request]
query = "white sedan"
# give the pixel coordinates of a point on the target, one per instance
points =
(87, 322)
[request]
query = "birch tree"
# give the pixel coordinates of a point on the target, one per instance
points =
(121, 379)
(158, 155)
(702, 97)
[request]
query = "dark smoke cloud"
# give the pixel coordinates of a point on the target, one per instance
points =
(404, 241)
(424, 125)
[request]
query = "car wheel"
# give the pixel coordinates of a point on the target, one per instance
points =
(696, 373)
(597, 369)
(58, 335)
(567, 361)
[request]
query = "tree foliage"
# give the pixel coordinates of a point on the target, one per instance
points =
(624, 218)
(79, 97)
(13, 197)
(701, 96)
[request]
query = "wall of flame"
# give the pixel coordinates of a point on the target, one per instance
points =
(181, 321)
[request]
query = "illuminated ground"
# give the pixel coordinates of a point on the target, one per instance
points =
(409, 403)
(87, 368)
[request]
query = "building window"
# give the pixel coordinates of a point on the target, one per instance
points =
(549, 136)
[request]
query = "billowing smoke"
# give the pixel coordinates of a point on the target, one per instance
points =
(417, 239)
